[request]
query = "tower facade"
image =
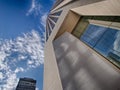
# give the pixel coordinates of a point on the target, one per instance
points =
(82, 45)
(26, 84)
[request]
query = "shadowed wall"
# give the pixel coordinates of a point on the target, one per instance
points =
(81, 68)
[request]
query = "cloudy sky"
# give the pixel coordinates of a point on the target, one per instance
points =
(22, 31)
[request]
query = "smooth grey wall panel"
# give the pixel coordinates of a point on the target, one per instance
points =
(81, 68)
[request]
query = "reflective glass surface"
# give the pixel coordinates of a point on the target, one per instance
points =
(54, 19)
(104, 40)
(52, 24)
(57, 13)
(92, 34)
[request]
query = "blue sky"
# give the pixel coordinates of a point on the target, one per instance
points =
(22, 30)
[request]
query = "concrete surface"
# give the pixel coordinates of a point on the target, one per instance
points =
(81, 68)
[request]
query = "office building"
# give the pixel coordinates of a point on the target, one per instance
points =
(26, 84)
(82, 49)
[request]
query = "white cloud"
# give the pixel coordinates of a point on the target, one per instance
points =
(32, 7)
(2, 56)
(43, 19)
(21, 57)
(30, 62)
(11, 82)
(1, 76)
(35, 8)
(27, 48)
(19, 69)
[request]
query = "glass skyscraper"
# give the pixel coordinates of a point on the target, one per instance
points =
(26, 84)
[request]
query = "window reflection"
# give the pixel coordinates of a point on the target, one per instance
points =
(57, 13)
(106, 43)
(91, 35)
(54, 19)
(104, 40)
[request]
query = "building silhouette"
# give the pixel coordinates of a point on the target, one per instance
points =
(26, 84)
(80, 35)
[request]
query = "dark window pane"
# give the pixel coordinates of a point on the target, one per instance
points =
(51, 24)
(47, 32)
(57, 13)
(47, 35)
(54, 19)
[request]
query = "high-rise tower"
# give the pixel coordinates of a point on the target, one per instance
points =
(26, 84)
(82, 49)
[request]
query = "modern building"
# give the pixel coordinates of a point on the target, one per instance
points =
(26, 84)
(82, 49)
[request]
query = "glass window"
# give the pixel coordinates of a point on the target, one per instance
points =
(47, 33)
(104, 40)
(106, 43)
(92, 34)
(49, 30)
(54, 19)
(57, 13)
(51, 24)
